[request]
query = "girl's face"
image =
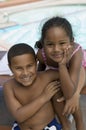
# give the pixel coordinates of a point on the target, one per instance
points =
(55, 42)
(24, 69)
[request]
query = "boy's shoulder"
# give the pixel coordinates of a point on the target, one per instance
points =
(8, 86)
(9, 83)
(47, 74)
(41, 73)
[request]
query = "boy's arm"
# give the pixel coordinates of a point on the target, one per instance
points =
(23, 112)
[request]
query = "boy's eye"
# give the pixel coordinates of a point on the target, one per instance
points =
(18, 68)
(30, 65)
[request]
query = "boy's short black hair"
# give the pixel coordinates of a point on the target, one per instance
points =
(19, 49)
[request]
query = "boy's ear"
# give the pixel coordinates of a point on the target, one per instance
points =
(9, 67)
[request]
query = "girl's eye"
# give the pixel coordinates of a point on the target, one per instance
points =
(63, 43)
(49, 44)
(30, 66)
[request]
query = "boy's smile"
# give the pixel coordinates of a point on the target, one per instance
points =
(24, 68)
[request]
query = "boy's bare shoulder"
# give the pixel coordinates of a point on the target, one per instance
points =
(10, 83)
(48, 74)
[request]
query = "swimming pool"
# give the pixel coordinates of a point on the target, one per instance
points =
(29, 23)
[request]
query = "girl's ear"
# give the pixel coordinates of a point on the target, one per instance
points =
(72, 40)
(36, 59)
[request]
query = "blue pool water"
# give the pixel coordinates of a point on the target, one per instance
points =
(29, 23)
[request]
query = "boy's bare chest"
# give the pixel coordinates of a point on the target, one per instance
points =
(27, 95)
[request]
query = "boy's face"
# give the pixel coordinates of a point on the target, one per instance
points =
(55, 42)
(24, 68)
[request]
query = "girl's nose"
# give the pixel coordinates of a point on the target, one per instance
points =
(56, 47)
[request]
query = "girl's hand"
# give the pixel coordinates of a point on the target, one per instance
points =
(61, 99)
(72, 104)
(50, 90)
(67, 55)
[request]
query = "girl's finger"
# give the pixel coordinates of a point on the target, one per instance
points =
(60, 99)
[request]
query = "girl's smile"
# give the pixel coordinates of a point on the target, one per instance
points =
(55, 43)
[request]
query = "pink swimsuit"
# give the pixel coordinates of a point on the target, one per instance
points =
(50, 67)
(84, 58)
(45, 61)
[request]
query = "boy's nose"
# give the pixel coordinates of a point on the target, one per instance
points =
(25, 71)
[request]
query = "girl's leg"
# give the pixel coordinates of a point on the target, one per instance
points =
(78, 120)
(78, 114)
(83, 91)
(58, 107)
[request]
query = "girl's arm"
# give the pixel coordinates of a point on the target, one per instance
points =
(69, 77)
(72, 104)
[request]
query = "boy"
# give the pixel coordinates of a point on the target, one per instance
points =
(26, 94)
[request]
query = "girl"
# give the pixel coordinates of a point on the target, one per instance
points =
(57, 45)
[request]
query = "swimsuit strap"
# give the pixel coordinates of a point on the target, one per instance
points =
(76, 50)
(45, 61)
(44, 56)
